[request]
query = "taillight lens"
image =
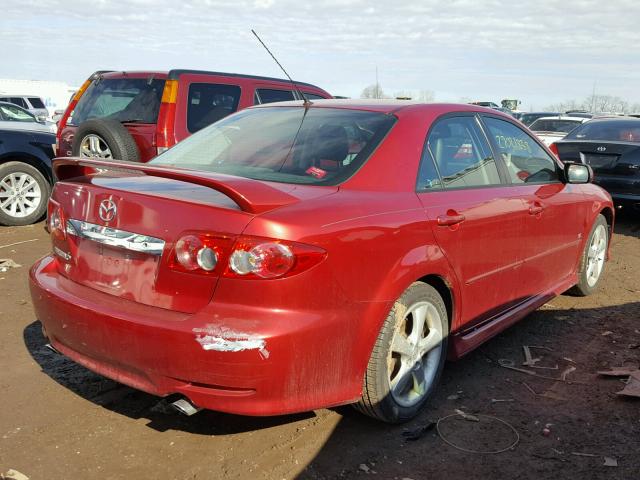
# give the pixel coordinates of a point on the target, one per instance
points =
(248, 257)
(200, 253)
(554, 148)
(257, 257)
(266, 260)
(55, 221)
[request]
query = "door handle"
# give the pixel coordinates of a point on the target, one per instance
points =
(535, 209)
(448, 220)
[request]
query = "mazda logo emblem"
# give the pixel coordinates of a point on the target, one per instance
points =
(107, 210)
(601, 149)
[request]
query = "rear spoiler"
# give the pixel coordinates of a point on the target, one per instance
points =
(252, 196)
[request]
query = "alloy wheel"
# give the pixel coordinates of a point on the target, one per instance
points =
(94, 146)
(595, 254)
(415, 353)
(20, 195)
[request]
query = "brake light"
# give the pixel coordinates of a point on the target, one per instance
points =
(165, 130)
(248, 257)
(200, 253)
(554, 148)
(55, 222)
(72, 105)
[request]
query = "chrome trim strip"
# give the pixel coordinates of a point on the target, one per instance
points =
(115, 238)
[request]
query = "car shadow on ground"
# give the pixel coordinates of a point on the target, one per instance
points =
(134, 403)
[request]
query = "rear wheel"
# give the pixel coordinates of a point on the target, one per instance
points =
(593, 258)
(23, 194)
(408, 356)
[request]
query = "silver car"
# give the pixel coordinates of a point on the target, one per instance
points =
(33, 104)
(17, 118)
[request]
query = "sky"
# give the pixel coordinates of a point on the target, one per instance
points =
(541, 52)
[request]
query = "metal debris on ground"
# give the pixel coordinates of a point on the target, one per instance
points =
(530, 361)
(13, 475)
(578, 454)
(567, 372)
(419, 432)
(18, 243)
(610, 462)
(550, 395)
(619, 371)
(606, 333)
(632, 388)
(500, 400)
(510, 364)
(7, 263)
(465, 416)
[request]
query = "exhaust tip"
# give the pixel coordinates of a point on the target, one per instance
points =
(52, 348)
(185, 407)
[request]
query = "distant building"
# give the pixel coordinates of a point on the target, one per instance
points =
(55, 95)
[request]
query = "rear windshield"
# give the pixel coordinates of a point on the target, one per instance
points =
(562, 126)
(122, 99)
(612, 130)
(321, 146)
(36, 102)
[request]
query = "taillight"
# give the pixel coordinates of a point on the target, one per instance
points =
(256, 257)
(165, 130)
(248, 257)
(554, 148)
(55, 221)
(72, 105)
(200, 253)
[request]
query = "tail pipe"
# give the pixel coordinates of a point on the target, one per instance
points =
(185, 407)
(52, 348)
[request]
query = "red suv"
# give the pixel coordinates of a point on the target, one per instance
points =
(137, 115)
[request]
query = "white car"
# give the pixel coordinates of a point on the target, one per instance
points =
(33, 104)
(13, 117)
(552, 129)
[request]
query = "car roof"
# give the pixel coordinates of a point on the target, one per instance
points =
(614, 118)
(388, 106)
(564, 117)
(174, 74)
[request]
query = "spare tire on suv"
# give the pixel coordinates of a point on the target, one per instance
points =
(105, 139)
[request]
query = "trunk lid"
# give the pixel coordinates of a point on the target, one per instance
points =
(122, 226)
(604, 157)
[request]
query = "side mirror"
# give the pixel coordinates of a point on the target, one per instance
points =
(41, 118)
(578, 173)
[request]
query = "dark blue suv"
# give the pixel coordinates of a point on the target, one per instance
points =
(25, 175)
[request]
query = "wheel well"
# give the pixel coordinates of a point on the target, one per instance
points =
(443, 288)
(607, 213)
(29, 160)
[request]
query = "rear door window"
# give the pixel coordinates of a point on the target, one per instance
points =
(19, 101)
(36, 102)
(131, 100)
(461, 155)
(210, 102)
(13, 113)
(525, 160)
(268, 95)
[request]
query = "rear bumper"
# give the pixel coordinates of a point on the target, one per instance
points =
(234, 358)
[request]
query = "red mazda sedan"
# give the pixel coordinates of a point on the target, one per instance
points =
(291, 257)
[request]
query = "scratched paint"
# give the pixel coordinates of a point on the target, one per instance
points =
(224, 339)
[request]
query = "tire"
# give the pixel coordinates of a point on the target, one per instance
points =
(388, 394)
(593, 257)
(33, 189)
(106, 140)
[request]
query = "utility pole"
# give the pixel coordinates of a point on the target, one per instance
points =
(377, 84)
(593, 98)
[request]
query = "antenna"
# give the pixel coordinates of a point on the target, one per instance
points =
(306, 101)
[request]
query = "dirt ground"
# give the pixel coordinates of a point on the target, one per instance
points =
(60, 421)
